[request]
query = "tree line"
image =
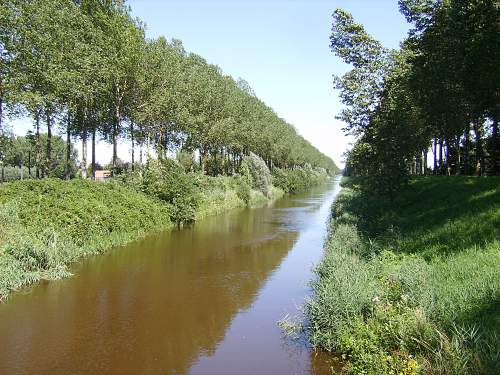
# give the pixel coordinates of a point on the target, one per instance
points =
(438, 93)
(87, 67)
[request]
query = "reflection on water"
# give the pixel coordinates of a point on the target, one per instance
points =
(202, 300)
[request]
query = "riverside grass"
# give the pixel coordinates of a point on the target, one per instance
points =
(412, 286)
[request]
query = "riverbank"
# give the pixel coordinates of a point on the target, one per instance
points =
(45, 225)
(413, 285)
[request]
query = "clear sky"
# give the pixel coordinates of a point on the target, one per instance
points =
(281, 47)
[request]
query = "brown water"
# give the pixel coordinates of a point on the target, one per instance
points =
(201, 300)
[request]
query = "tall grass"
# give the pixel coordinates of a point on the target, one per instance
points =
(412, 286)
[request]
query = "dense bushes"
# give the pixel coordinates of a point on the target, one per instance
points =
(298, 179)
(414, 286)
(168, 181)
(46, 224)
(190, 195)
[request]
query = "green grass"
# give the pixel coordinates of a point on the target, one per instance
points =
(412, 286)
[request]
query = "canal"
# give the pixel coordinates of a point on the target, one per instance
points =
(201, 300)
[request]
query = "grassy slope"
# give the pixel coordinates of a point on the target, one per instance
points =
(413, 285)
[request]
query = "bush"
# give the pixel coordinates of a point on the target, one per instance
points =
(167, 180)
(14, 173)
(258, 170)
(47, 224)
(298, 179)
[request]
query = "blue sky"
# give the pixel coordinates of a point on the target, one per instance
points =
(281, 47)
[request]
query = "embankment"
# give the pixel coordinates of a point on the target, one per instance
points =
(412, 285)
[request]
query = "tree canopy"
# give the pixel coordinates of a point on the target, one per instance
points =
(439, 88)
(88, 67)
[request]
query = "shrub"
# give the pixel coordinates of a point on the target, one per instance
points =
(298, 178)
(167, 180)
(258, 170)
(47, 224)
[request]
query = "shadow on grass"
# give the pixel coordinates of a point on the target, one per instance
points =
(433, 216)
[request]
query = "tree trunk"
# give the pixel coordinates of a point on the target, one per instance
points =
(37, 145)
(202, 160)
(133, 144)
(458, 157)
(148, 144)
(447, 157)
(29, 162)
(425, 161)
(440, 156)
(116, 125)
(93, 153)
(479, 149)
(494, 164)
(48, 160)
(68, 147)
(466, 152)
(84, 152)
(140, 150)
(434, 171)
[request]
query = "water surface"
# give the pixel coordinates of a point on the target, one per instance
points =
(201, 300)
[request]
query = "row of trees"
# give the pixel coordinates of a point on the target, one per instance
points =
(87, 66)
(438, 93)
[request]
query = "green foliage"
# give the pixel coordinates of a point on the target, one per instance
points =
(221, 193)
(45, 225)
(186, 160)
(167, 181)
(21, 152)
(298, 178)
(261, 176)
(412, 285)
(90, 68)
(437, 88)
(14, 173)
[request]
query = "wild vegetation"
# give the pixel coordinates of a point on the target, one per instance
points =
(46, 224)
(410, 281)
(412, 286)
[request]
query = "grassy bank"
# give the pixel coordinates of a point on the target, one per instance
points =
(412, 286)
(223, 193)
(297, 179)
